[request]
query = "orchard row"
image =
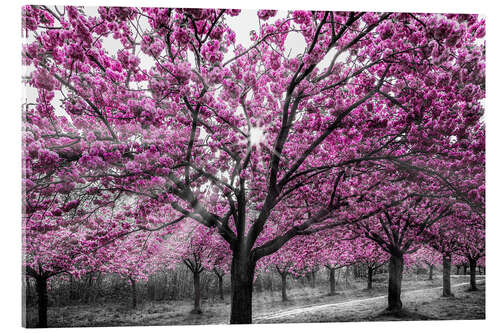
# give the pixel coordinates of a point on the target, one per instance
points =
(157, 136)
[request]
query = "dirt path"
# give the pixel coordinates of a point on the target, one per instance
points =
(354, 308)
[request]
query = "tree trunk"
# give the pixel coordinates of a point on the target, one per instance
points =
(134, 293)
(258, 284)
(221, 286)
(89, 290)
(25, 290)
(370, 278)
(446, 275)
(472, 266)
(197, 292)
(345, 276)
(242, 273)
(283, 286)
(72, 291)
(431, 270)
(97, 286)
(465, 269)
(313, 279)
(395, 278)
(358, 271)
(270, 280)
(332, 281)
(41, 289)
(458, 270)
(479, 269)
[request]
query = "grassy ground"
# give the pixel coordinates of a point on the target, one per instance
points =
(419, 305)
(425, 304)
(465, 305)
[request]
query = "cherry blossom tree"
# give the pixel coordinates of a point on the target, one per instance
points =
(459, 262)
(443, 237)
(372, 255)
(219, 261)
(399, 229)
(286, 261)
(48, 253)
(427, 257)
(133, 257)
(298, 257)
(339, 256)
(472, 248)
(333, 249)
(193, 245)
(58, 226)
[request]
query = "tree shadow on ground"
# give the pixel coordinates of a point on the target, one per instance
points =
(402, 315)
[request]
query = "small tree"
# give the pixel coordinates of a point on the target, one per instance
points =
(472, 248)
(427, 257)
(371, 255)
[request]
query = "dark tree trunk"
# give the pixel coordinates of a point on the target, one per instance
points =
(431, 270)
(283, 286)
(24, 294)
(197, 292)
(133, 290)
(346, 274)
(221, 286)
(370, 278)
(258, 284)
(332, 281)
(89, 290)
(458, 270)
(472, 266)
(358, 271)
(465, 269)
(72, 289)
(313, 279)
(242, 273)
(446, 275)
(28, 292)
(97, 285)
(41, 290)
(479, 269)
(395, 278)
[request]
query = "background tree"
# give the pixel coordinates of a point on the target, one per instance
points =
(443, 237)
(427, 257)
(472, 248)
(193, 246)
(397, 230)
(133, 257)
(370, 254)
